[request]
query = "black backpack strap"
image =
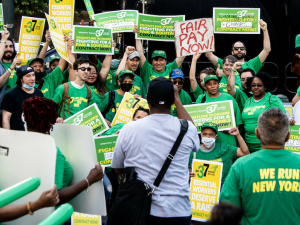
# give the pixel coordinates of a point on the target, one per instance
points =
(203, 98)
(111, 102)
(41, 84)
(170, 157)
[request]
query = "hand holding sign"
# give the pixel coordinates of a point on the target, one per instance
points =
(135, 29)
(47, 199)
(196, 56)
(95, 174)
(48, 37)
(16, 61)
(263, 25)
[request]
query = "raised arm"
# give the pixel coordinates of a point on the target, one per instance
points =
(105, 67)
(139, 47)
(231, 79)
(5, 36)
(212, 58)
(192, 77)
(128, 51)
(179, 61)
(267, 44)
(72, 57)
(43, 52)
(243, 149)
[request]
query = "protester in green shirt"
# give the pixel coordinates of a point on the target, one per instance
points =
(130, 61)
(296, 98)
(261, 101)
(158, 66)
(213, 95)
(177, 78)
(266, 183)
(239, 51)
(218, 152)
(94, 80)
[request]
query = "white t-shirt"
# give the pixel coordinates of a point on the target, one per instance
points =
(145, 144)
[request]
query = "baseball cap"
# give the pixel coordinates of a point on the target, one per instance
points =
(161, 91)
(30, 61)
(134, 54)
(177, 73)
(210, 77)
(117, 51)
(210, 125)
(23, 70)
(126, 72)
(159, 53)
(53, 59)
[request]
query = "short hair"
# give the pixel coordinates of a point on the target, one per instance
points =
(122, 78)
(140, 109)
(79, 62)
(246, 70)
(230, 58)
(237, 42)
(208, 71)
(273, 127)
(265, 78)
(225, 213)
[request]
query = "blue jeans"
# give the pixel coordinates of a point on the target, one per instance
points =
(153, 220)
(107, 187)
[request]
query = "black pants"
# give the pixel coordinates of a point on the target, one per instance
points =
(153, 220)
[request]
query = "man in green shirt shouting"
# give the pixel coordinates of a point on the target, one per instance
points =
(266, 183)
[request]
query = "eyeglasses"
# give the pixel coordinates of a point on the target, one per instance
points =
(257, 85)
(84, 68)
(237, 48)
(179, 82)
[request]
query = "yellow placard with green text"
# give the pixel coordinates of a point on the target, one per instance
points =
(57, 37)
(127, 108)
(205, 188)
(31, 32)
(62, 11)
(83, 219)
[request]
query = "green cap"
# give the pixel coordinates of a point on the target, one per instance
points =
(30, 61)
(210, 77)
(117, 51)
(297, 41)
(126, 72)
(159, 53)
(53, 59)
(210, 125)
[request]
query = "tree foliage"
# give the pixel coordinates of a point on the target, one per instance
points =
(30, 7)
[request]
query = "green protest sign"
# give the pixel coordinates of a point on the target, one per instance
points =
(89, 8)
(237, 20)
(118, 21)
(90, 116)
(220, 113)
(1, 19)
(105, 147)
(293, 144)
(92, 40)
(159, 28)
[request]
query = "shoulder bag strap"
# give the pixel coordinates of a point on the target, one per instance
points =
(203, 98)
(89, 94)
(64, 97)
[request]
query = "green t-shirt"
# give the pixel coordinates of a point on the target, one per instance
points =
(266, 185)
(149, 74)
(297, 41)
(223, 83)
(78, 102)
(66, 76)
(198, 91)
(298, 91)
(111, 81)
(222, 152)
(113, 129)
(51, 82)
(222, 137)
(252, 110)
(63, 171)
(111, 113)
(254, 64)
(12, 80)
(241, 98)
(185, 100)
(138, 87)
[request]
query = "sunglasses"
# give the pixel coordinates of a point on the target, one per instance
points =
(84, 68)
(257, 85)
(237, 48)
(179, 82)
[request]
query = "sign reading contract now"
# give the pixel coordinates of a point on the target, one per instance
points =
(220, 113)
(118, 21)
(92, 40)
(159, 28)
(205, 188)
(83, 219)
(90, 116)
(105, 147)
(293, 144)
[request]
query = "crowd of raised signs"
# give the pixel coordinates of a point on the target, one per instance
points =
(33, 100)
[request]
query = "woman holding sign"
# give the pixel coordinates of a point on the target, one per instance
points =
(211, 83)
(261, 101)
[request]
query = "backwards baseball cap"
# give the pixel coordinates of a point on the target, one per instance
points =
(117, 51)
(161, 91)
(159, 53)
(177, 73)
(53, 59)
(126, 72)
(210, 125)
(30, 61)
(23, 70)
(210, 77)
(134, 54)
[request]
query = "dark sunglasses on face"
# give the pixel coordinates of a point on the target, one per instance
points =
(257, 85)
(84, 68)
(179, 82)
(237, 48)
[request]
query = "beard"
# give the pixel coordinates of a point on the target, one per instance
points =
(38, 75)
(8, 57)
(239, 56)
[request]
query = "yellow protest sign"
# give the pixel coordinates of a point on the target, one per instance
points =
(127, 108)
(205, 188)
(83, 219)
(57, 37)
(31, 32)
(62, 11)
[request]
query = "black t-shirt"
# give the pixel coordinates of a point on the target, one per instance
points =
(13, 102)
